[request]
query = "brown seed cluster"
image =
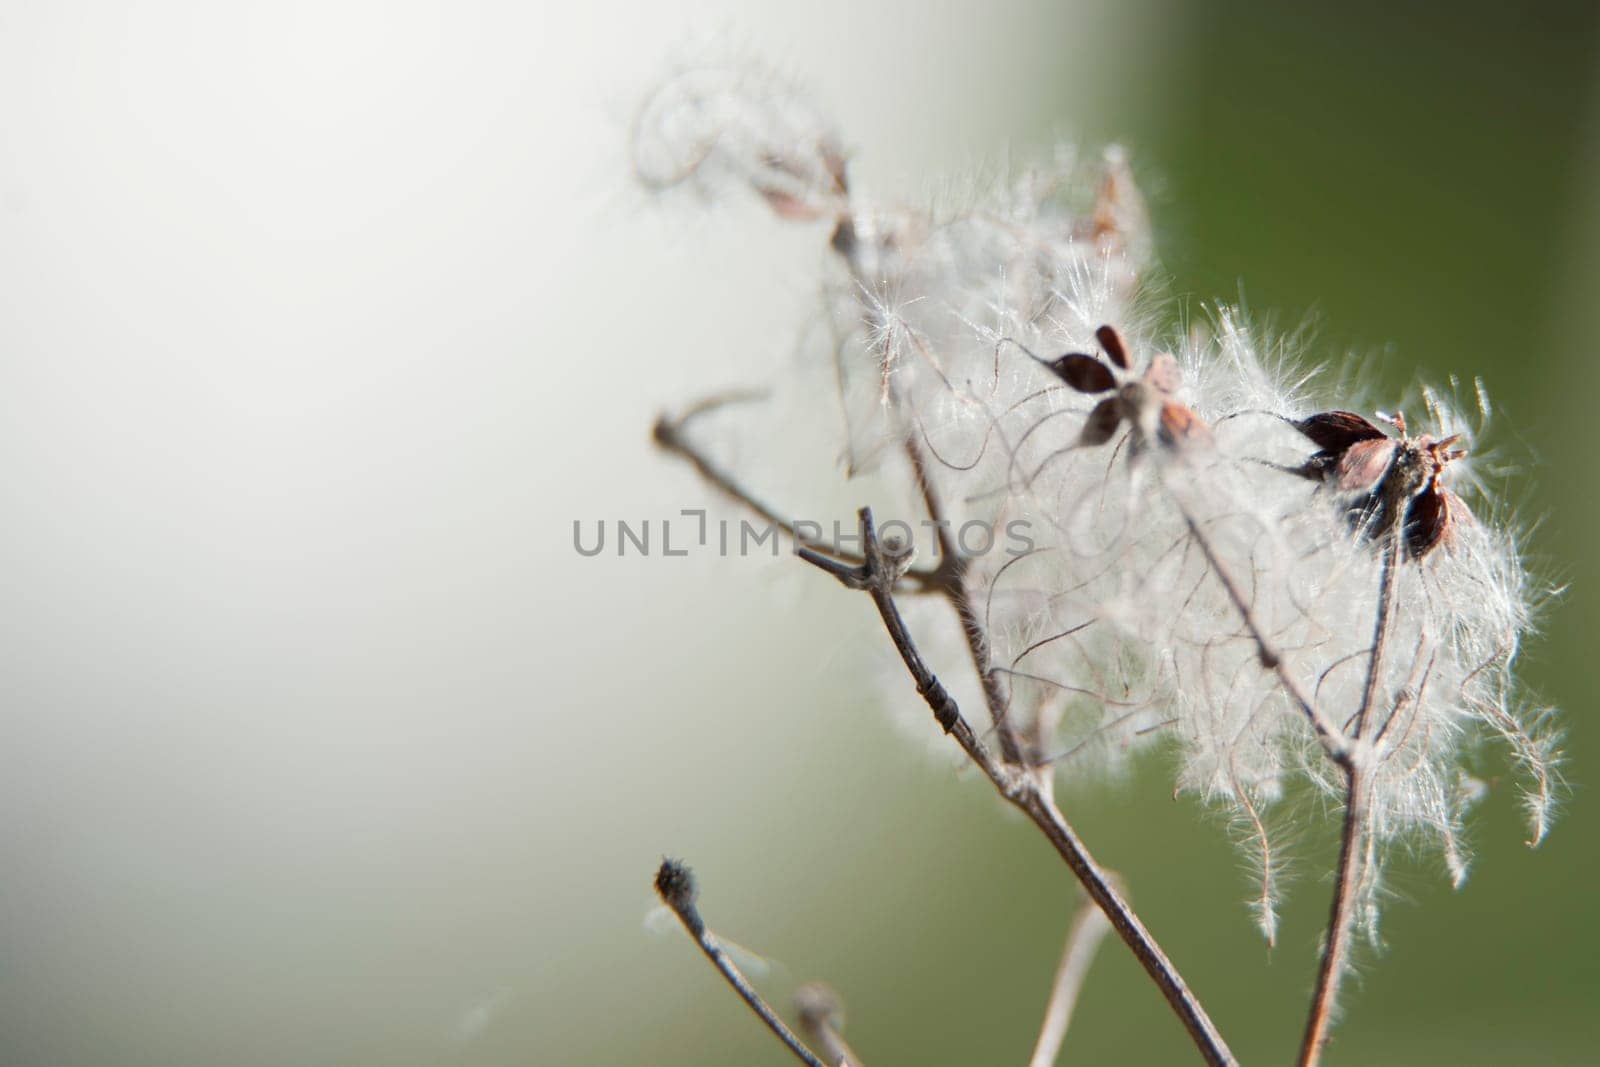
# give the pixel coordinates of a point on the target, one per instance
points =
(1145, 403)
(1393, 480)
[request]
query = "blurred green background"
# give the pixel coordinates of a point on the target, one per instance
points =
(325, 320)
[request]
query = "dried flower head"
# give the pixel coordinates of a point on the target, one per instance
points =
(1389, 478)
(1145, 403)
(1198, 599)
(712, 128)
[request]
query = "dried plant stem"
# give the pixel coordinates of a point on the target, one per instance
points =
(676, 886)
(1332, 738)
(950, 575)
(1341, 921)
(669, 436)
(1353, 755)
(1352, 842)
(953, 570)
(818, 1008)
(1042, 809)
(1388, 582)
(947, 579)
(1021, 788)
(1088, 927)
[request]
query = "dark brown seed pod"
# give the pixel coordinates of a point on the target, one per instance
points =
(1084, 373)
(1111, 341)
(1145, 403)
(1102, 422)
(1431, 520)
(1362, 466)
(1335, 431)
(1394, 481)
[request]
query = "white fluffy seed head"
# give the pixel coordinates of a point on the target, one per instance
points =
(1110, 591)
(732, 126)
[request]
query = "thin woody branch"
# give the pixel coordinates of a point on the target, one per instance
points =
(1332, 738)
(1088, 927)
(1388, 584)
(676, 886)
(1341, 920)
(668, 434)
(951, 572)
(820, 1014)
(876, 576)
(946, 385)
(1353, 755)
(947, 579)
(953, 566)
(1363, 758)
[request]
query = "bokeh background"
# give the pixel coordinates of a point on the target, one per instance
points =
(321, 323)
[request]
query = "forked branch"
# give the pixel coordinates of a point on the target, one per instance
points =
(1328, 733)
(671, 437)
(877, 574)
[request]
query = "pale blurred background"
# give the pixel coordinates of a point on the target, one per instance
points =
(321, 322)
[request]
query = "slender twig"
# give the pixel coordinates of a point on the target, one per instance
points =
(1088, 927)
(1352, 754)
(1021, 788)
(1353, 841)
(1416, 684)
(821, 1016)
(954, 567)
(670, 437)
(1388, 582)
(1341, 919)
(878, 575)
(947, 579)
(1332, 738)
(676, 886)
